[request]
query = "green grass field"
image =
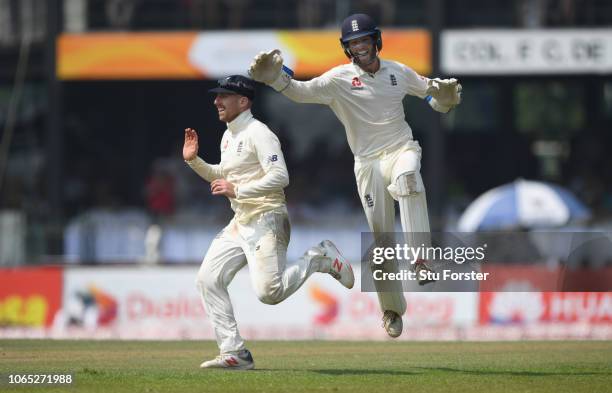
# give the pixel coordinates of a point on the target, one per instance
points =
(143, 366)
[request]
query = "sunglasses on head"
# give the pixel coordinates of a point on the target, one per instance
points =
(229, 81)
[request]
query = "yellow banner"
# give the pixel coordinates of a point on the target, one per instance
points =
(209, 55)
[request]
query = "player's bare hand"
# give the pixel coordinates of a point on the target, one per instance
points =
(266, 66)
(222, 187)
(190, 147)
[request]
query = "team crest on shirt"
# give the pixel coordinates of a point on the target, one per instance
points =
(225, 145)
(356, 84)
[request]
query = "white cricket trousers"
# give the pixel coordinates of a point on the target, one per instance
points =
(262, 244)
(374, 175)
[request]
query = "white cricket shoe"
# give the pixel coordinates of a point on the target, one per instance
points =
(243, 360)
(340, 268)
(392, 322)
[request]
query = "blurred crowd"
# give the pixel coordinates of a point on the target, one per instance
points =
(117, 158)
(87, 15)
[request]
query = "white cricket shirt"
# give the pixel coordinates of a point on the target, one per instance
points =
(252, 160)
(368, 105)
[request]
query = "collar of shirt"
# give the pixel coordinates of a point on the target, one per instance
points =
(360, 71)
(240, 122)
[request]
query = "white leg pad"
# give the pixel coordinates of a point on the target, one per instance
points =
(413, 208)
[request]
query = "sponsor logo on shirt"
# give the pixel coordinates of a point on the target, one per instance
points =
(239, 149)
(369, 200)
(273, 158)
(393, 80)
(356, 84)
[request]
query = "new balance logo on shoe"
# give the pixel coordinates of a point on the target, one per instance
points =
(340, 268)
(337, 265)
(231, 362)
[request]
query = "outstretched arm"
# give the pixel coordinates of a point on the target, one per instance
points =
(190, 154)
(441, 94)
(268, 68)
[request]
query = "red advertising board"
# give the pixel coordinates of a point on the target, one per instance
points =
(30, 296)
(545, 307)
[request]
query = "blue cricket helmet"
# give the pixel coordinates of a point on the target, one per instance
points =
(356, 26)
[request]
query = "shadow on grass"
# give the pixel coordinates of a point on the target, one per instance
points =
(364, 372)
(513, 373)
(454, 370)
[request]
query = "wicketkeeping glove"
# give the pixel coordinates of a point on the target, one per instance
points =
(447, 92)
(267, 67)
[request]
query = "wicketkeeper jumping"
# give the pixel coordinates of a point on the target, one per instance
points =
(366, 95)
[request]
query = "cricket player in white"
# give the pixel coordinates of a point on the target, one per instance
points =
(252, 174)
(366, 95)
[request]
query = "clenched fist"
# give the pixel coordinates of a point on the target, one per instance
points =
(223, 187)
